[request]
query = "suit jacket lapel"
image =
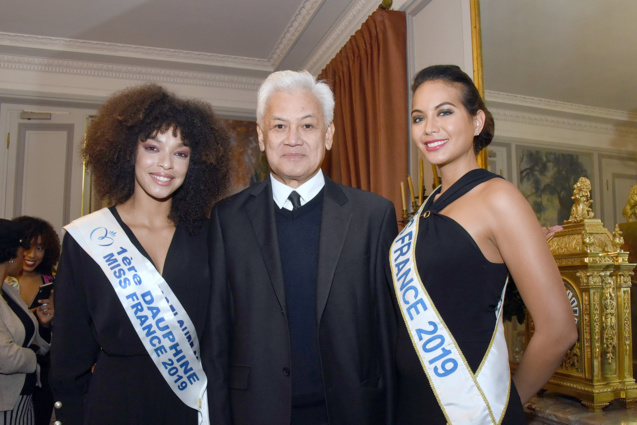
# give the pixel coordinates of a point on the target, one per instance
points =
(334, 226)
(260, 208)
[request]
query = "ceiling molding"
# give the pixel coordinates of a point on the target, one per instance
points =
(131, 51)
(563, 123)
(339, 34)
(553, 105)
(93, 69)
(297, 25)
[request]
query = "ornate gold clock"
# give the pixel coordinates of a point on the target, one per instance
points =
(596, 275)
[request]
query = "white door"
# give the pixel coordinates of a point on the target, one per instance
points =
(41, 164)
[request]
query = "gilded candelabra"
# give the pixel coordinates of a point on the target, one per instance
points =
(417, 198)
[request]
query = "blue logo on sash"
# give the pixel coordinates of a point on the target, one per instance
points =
(102, 236)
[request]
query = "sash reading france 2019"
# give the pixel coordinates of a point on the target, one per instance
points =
(425, 324)
(156, 331)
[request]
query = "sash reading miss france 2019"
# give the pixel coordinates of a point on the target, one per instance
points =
(465, 397)
(159, 319)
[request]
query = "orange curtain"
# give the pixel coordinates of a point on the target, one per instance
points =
(369, 80)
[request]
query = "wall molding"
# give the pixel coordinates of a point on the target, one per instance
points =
(131, 51)
(295, 27)
(338, 35)
(553, 105)
(129, 72)
(572, 124)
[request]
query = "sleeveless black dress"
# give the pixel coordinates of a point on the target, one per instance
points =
(465, 288)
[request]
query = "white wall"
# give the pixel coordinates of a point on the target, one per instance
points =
(39, 78)
(41, 167)
(608, 137)
(61, 86)
(438, 32)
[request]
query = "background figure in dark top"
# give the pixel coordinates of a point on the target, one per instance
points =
(310, 322)
(37, 269)
(477, 230)
(21, 339)
(162, 161)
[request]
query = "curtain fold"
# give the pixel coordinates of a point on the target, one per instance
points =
(369, 80)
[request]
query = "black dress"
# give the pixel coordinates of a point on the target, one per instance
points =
(465, 288)
(91, 328)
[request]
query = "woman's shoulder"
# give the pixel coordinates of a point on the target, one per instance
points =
(9, 288)
(506, 208)
(498, 183)
(12, 281)
(500, 201)
(13, 292)
(499, 192)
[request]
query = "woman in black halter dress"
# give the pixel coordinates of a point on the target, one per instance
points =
(475, 230)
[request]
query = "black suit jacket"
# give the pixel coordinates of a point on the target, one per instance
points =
(356, 323)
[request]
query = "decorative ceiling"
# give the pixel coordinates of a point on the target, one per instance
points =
(578, 52)
(248, 38)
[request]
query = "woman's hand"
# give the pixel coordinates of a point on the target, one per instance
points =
(46, 311)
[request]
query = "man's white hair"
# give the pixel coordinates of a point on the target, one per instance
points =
(291, 81)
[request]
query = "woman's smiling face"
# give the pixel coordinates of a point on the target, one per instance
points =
(34, 255)
(441, 127)
(161, 165)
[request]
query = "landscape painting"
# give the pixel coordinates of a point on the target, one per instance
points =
(546, 179)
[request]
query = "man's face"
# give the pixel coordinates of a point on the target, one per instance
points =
(294, 137)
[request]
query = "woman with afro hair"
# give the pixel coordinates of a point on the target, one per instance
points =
(133, 285)
(40, 258)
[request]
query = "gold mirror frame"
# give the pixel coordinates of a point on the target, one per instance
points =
(88, 196)
(476, 51)
(86, 177)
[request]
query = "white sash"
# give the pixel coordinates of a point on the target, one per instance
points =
(159, 319)
(465, 397)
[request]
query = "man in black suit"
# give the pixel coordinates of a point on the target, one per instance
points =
(300, 263)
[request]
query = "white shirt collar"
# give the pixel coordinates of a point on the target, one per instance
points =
(308, 190)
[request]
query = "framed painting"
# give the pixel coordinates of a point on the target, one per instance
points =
(249, 165)
(546, 178)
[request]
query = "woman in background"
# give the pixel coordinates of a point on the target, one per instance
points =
(456, 254)
(20, 341)
(37, 269)
(133, 278)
